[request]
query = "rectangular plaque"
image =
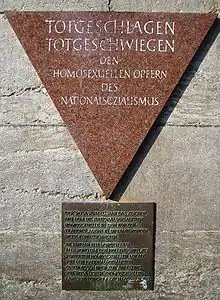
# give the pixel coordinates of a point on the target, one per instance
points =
(108, 246)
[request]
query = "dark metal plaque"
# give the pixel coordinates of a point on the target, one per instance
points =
(108, 246)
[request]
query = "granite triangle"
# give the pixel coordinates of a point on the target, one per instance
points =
(109, 75)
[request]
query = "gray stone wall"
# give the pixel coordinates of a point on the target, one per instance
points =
(42, 167)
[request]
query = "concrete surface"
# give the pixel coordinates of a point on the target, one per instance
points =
(40, 167)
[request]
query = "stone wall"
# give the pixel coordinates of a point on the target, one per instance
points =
(42, 167)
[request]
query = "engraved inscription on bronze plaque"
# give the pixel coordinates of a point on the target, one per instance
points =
(108, 246)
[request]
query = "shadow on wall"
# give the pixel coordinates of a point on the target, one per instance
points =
(166, 112)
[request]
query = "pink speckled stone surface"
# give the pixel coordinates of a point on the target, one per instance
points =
(108, 135)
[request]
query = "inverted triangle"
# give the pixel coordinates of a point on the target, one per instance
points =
(109, 93)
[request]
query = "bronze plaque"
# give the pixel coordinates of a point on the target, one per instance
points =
(108, 246)
(109, 74)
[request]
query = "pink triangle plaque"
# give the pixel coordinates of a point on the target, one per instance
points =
(109, 75)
